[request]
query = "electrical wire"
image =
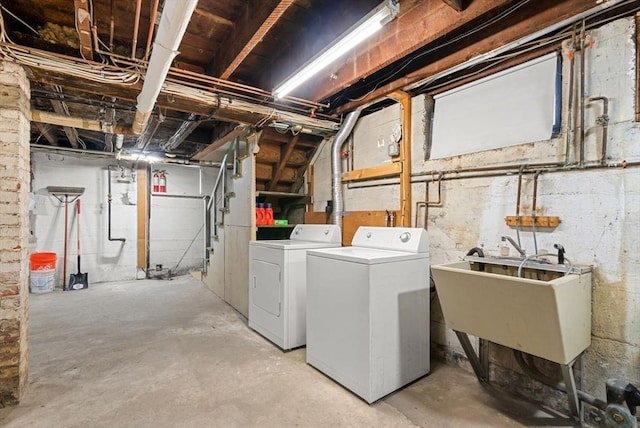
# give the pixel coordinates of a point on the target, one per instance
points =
(17, 18)
(99, 72)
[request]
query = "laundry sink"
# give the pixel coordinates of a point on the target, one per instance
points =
(546, 313)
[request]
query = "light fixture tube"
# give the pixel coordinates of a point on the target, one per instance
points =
(364, 29)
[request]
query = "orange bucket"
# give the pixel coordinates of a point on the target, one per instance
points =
(43, 261)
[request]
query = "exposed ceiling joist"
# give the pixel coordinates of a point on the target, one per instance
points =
(240, 131)
(83, 26)
(458, 5)
(70, 132)
(214, 18)
(246, 47)
(537, 18)
(47, 134)
(413, 29)
(284, 158)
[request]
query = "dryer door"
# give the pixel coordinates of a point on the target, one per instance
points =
(267, 289)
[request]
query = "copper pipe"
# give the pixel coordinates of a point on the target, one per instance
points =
(427, 203)
(152, 26)
(570, 138)
(582, 91)
(214, 81)
(518, 197)
(604, 122)
(173, 71)
(136, 25)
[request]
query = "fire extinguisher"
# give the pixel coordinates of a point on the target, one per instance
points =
(162, 182)
(156, 181)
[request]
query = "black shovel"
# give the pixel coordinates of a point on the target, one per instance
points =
(78, 281)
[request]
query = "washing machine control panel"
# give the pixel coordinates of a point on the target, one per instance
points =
(413, 240)
(317, 233)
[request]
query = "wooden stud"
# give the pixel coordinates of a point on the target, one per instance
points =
(143, 216)
(310, 189)
(405, 157)
(380, 171)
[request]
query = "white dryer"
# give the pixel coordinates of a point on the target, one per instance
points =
(278, 281)
(368, 310)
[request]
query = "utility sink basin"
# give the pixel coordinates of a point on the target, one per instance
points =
(546, 313)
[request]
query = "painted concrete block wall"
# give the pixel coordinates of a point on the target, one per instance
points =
(228, 270)
(176, 226)
(106, 260)
(599, 208)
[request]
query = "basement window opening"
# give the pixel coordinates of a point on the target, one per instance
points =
(516, 106)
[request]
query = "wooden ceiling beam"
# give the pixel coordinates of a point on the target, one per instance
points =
(46, 133)
(126, 93)
(215, 145)
(284, 158)
(533, 18)
(256, 38)
(458, 5)
(426, 22)
(71, 134)
(243, 38)
(213, 17)
(83, 26)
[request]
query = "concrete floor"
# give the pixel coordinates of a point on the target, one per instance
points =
(171, 354)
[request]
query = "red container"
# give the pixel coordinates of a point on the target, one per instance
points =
(43, 261)
(268, 215)
(260, 215)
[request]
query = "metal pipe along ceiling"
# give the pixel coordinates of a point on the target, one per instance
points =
(173, 24)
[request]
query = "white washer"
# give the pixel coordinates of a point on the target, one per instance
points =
(278, 281)
(368, 310)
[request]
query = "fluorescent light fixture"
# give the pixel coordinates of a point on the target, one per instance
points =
(362, 30)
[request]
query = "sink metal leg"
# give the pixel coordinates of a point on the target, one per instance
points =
(480, 364)
(483, 351)
(572, 391)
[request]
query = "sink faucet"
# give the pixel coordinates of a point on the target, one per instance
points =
(515, 245)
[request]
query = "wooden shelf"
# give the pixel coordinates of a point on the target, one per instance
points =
(280, 194)
(527, 221)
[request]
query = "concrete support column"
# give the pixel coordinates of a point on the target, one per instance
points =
(14, 230)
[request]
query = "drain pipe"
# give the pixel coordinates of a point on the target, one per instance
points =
(173, 24)
(603, 121)
(336, 164)
(109, 199)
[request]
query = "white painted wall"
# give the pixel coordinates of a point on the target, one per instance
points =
(599, 208)
(176, 226)
(102, 259)
(228, 270)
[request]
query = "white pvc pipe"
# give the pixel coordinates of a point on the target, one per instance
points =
(173, 24)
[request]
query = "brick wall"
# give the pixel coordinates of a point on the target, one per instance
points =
(14, 230)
